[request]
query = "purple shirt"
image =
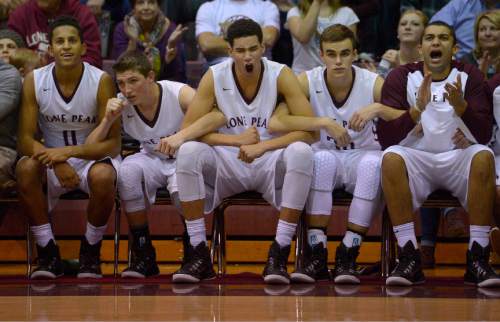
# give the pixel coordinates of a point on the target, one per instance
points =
(175, 71)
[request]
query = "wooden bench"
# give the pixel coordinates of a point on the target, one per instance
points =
(439, 199)
(72, 195)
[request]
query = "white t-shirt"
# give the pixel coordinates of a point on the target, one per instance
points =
(212, 15)
(306, 57)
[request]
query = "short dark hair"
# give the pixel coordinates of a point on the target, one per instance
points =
(441, 24)
(335, 33)
(133, 60)
(65, 21)
(243, 28)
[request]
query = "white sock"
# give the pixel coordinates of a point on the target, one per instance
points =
(43, 234)
(196, 231)
(404, 233)
(316, 236)
(285, 232)
(479, 234)
(94, 234)
(352, 239)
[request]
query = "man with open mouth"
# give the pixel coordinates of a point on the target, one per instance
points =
(437, 144)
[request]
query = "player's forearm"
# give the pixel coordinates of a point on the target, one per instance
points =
(96, 151)
(202, 126)
(387, 113)
(100, 133)
(221, 139)
(27, 146)
(287, 123)
(287, 139)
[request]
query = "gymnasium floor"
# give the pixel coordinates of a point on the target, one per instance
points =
(242, 297)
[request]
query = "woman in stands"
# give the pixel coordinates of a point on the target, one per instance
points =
(410, 28)
(147, 29)
(307, 21)
(486, 55)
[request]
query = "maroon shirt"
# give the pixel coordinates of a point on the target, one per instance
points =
(33, 25)
(477, 117)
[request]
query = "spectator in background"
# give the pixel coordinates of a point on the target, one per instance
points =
(214, 17)
(368, 27)
(283, 49)
(31, 21)
(486, 54)
(428, 7)
(10, 92)
(25, 60)
(410, 28)
(181, 11)
(461, 15)
(9, 42)
(6, 8)
(307, 21)
(147, 29)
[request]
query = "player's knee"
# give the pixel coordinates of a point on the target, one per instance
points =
(325, 170)
(369, 166)
(102, 177)
(483, 164)
(130, 173)
(188, 154)
(299, 157)
(391, 163)
(28, 170)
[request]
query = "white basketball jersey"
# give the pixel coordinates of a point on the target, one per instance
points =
(240, 114)
(66, 120)
(361, 95)
(167, 121)
(439, 120)
(495, 144)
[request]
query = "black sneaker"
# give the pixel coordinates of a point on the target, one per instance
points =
(345, 270)
(49, 262)
(408, 271)
(90, 262)
(198, 267)
(479, 271)
(142, 262)
(187, 250)
(314, 266)
(275, 270)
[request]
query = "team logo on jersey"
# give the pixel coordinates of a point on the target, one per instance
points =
(243, 121)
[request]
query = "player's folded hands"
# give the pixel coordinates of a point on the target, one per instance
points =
(170, 144)
(249, 136)
(51, 156)
(248, 153)
(339, 134)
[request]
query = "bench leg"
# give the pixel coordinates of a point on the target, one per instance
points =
(300, 241)
(116, 236)
(29, 251)
(214, 246)
(388, 251)
(221, 236)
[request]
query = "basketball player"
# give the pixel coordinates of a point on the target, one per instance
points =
(494, 95)
(449, 101)
(150, 112)
(345, 99)
(66, 99)
(243, 155)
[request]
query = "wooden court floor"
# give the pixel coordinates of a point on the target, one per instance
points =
(242, 297)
